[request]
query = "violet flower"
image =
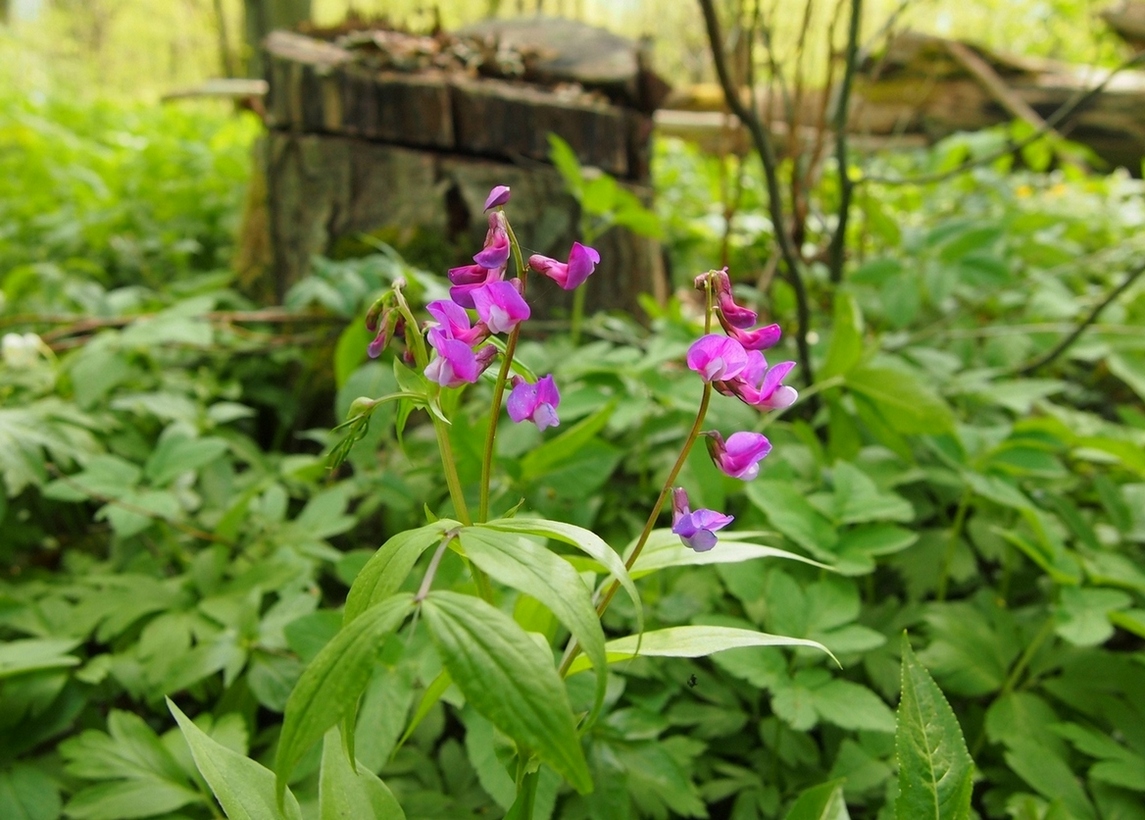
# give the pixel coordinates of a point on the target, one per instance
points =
(571, 275)
(454, 322)
(759, 339)
(740, 455)
(730, 313)
(760, 385)
(496, 250)
(498, 196)
(717, 358)
(535, 402)
(500, 305)
(455, 363)
(696, 529)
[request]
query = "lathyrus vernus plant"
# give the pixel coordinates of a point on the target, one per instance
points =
(512, 677)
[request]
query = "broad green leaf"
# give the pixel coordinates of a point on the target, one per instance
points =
(790, 513)
(331, 684)
(822, 802)
(564, 447)
(28, 793)
(905, 404)
(664, 549)
(178, 454)
(34, 654)
(345, 793)
(586, 541)
(858, 500)
(519, 563)
(935, 769)
(846, 348)
(128, 799)
(690, 642)
(244, 788)
(509, 679)
(1083, 614)
(350, 351)
(1049, 775)
(387, 569)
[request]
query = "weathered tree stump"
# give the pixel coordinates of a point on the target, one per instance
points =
(409, 157)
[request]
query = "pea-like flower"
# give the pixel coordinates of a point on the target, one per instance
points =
(571, 275)
(696, 529)
(759, 339)
(500, 305)
(740, 455)
(498, 196)
(455, 363)
(469, 278)
(730, 313)
(717, 358)
(496, 250)
(534, 402)
(454, 322)
(761, 385)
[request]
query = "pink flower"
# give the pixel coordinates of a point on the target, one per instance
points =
(730, 313)
(761, 386)
(740, 455)
(496, 250)
(717, 358)
(696, 529)
(498, 196)
(455, 363)
(500, 305)
(535, 402)
(582, 262)
(454, 322)
(759, 339)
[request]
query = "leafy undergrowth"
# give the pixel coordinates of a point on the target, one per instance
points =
(171, 530)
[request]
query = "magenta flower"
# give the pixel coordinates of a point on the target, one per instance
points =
(454, 322)
(759, 339)
(535, 402)
(500, 305)
(730, 313)
(455, 363)
(740, 455)
(498, 196)
(582, 262)
(760, 385)
(496, 250)
(468, 278)
(717, 358)
(696, 529)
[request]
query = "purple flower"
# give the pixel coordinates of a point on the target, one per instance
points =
(759, 339)
(582, 262)
(455, 363)
(496, 250)
(535, 402)
(454, 322)
(498, 196)
(717, 358)
(740, 455)
(696, 529)
(730, 313)
(500, 305)
(468, 278)
(761, 386)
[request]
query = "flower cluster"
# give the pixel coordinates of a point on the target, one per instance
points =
(460, 352)
(734, 365)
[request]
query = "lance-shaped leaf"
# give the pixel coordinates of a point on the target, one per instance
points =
(664, 549)
(586, 541)
(935, 769)
(387, 568)
(346, 793)
(331, 684)
(509, 679)
(244, 788)
(517, 562)
(691, 642)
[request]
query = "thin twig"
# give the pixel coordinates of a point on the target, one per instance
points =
(1067, 109)
(835, 250)
(771, 174)
(1065, 343)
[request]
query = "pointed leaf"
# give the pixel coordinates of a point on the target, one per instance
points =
(935, 769)
(664, 549)
(388, 568)
(344, 794)
(822, 802)
(509, 679)
(244, 789)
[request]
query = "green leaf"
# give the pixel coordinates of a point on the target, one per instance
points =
(331, 684)
(562, 156)
(586, 541)
(244, 788)
(178, 454)
(28, 793)
(1049, 775)
(907, 406)
(690, 642)
(565, 447)
(822, 802)
(34, 654)
(344, 794)
(519, 563)
(664, 549)
(846, 348)
(1083, 614)
(789, 512)
(858, 500)
(935, 768)
(509, 679)
(127, 799)
(387, 569)
(350, 351)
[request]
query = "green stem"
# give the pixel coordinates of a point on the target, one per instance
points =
(952, 545)
(1015, 673)
(526, 788)
(494, 417)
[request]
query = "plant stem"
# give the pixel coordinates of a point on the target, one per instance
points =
(952, 544)
(431, 570)
(449, 465)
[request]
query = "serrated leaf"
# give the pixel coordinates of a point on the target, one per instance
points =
(935, 768)
(243, 788)
(331, 684)
(387, 568)
(517, 562)
(344, 794)
(509, 679)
